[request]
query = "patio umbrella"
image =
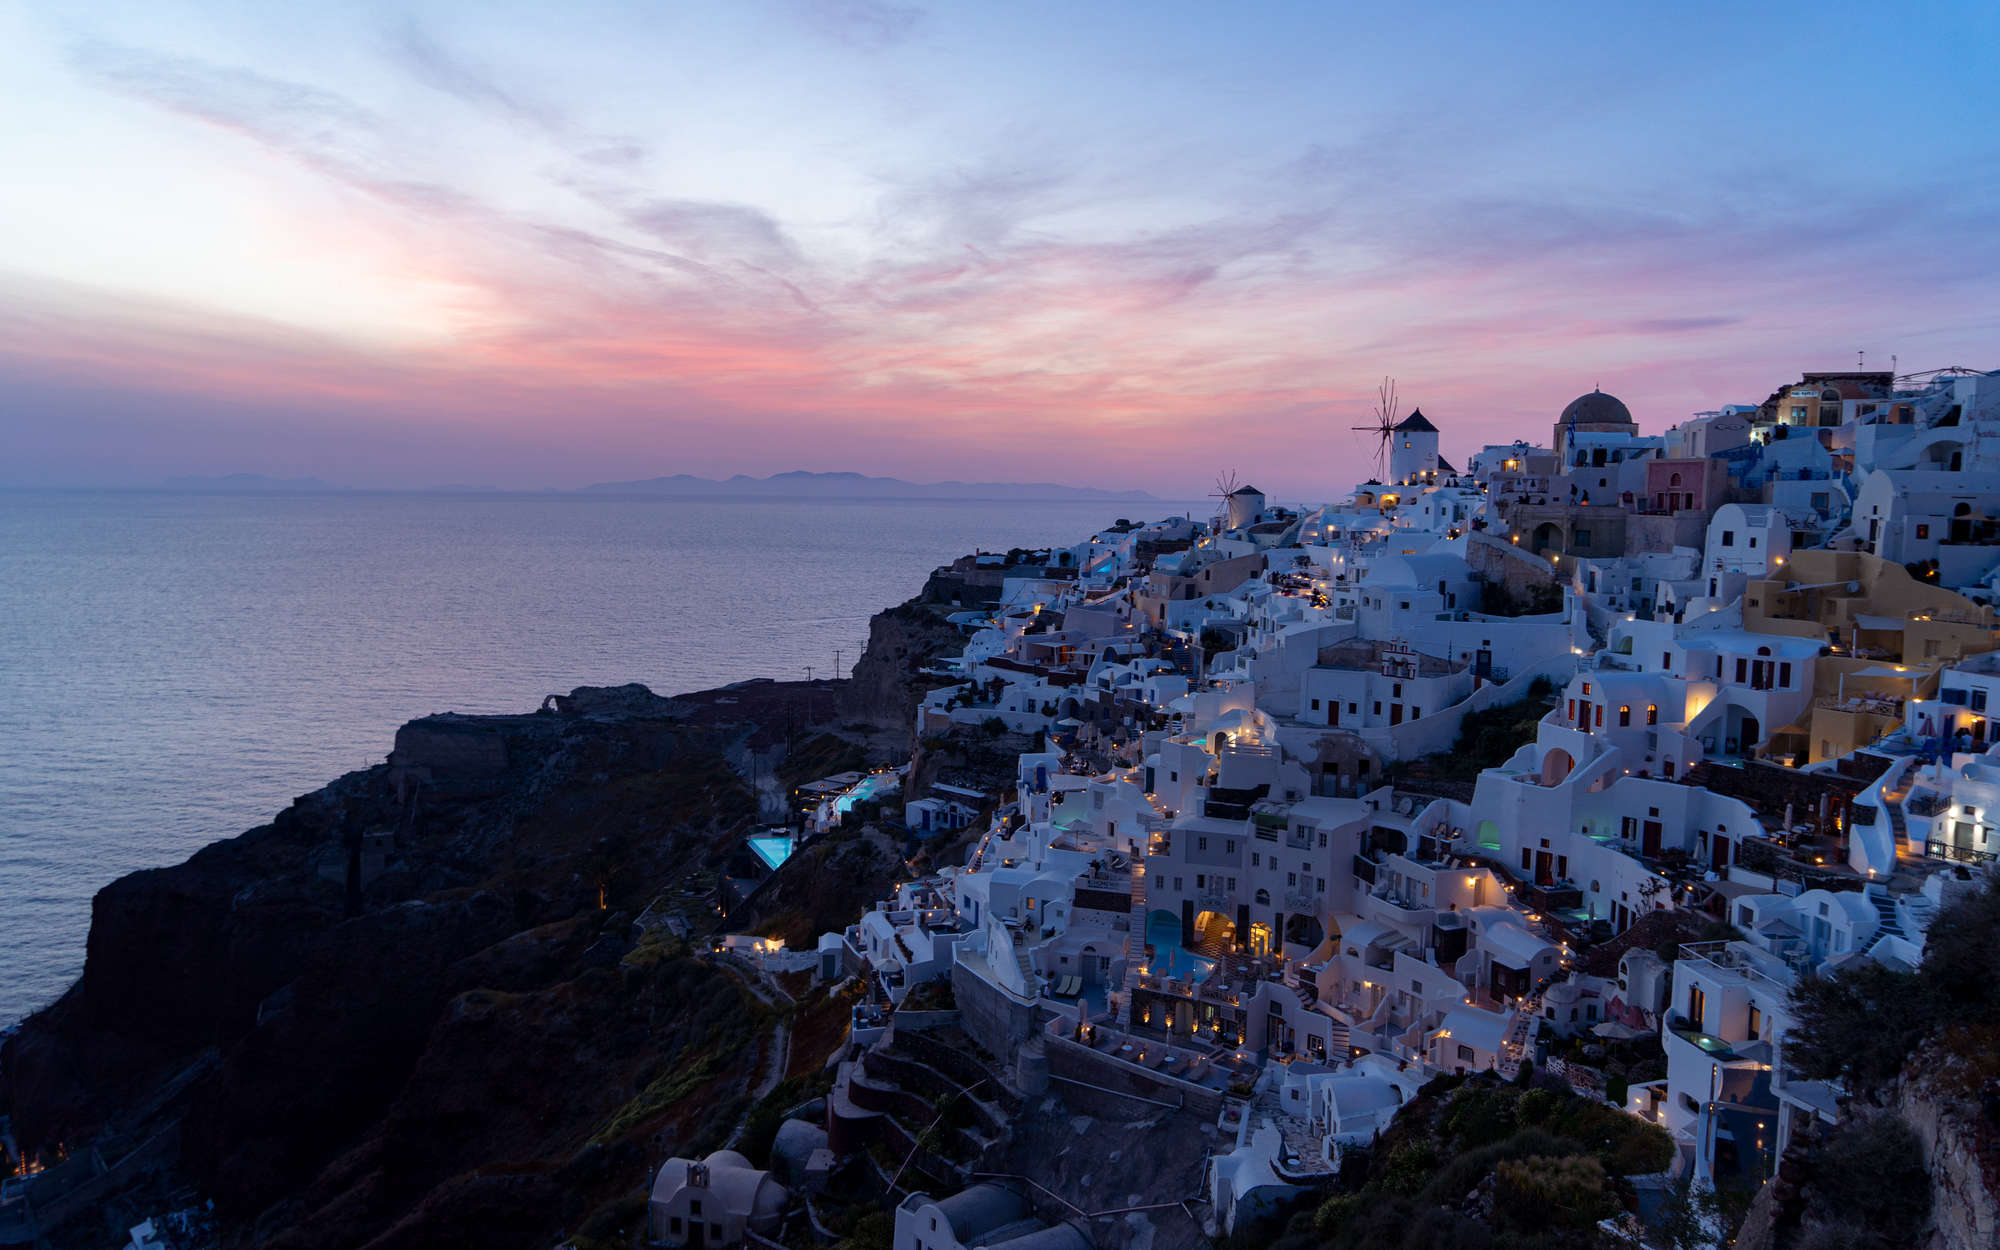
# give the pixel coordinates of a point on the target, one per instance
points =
(1617, 1032)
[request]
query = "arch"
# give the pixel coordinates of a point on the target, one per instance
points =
(1548, 536)
(1675, 480)
(1556, 765)
(1964, 509)
(1263, 897)
(1213, 929)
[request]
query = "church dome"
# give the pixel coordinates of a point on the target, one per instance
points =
(1597, 408)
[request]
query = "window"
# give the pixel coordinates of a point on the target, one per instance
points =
(1315, 705)
(1229, 846)
(1624, 715)
(1729, 538)
(1352, 708)
(1979, 699)
(1378, 707)
(1201, 844)
(1600, 716)
(1200, 881)
(1319, 883)
(1177, 885)
(1527, 859)
(1666, 659)
(1583, 538)
(1256, 859)
(1652, 713)
(1756, 1022)
(1465, 1053)
(1753, 542)
(1291, 880)
(1697, 1006)
(1586, 687)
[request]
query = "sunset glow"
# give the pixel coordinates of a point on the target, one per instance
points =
(543, 247)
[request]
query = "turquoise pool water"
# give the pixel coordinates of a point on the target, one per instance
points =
(1170, 958)
(773, 849)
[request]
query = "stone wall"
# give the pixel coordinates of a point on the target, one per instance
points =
(1964, 1153)
(999, 1020)
(1504, 564)
(1071, 1065)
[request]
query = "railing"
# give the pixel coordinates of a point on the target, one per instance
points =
(1723, 958)
(1957, 854)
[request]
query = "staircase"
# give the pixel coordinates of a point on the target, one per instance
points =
(1892, 800)
(1135, 938)
(1514, 1048)
(1885, 911)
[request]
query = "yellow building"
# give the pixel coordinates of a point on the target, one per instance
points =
(1889, 635)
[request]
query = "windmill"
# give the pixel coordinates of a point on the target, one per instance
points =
(1384, 427)
(1225, 486)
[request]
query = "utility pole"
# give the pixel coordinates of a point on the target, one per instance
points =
(809, 672)
(836, 663)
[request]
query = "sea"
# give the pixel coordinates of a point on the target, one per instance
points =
(177, 667)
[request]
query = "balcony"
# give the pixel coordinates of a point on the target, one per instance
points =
(1957, 854)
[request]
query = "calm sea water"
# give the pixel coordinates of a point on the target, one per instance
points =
(175, 668)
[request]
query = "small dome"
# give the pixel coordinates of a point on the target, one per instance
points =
(1597, 407)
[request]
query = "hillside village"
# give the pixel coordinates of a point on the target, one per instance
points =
(1274, 860)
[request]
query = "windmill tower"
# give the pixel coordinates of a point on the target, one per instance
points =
(1384, 427)
(1241, 505)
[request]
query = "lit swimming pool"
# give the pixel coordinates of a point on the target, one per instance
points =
(1170, 958)
(774, 849)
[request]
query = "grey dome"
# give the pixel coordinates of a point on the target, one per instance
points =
(1597, 407)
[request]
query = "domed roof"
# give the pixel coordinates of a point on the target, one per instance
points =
(1597, 407)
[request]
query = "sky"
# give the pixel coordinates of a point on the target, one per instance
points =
(1128, 245)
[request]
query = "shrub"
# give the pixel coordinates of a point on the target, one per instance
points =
(1870, 1176)
(1409, 1166)
(1334, 1214)
(1570, 1191)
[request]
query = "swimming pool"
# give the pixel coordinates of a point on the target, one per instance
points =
(773, 848)
(1170, 958)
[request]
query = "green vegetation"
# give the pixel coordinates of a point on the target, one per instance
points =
(761, 1128)
(1486, 739)
(1864, 1025)
(821, 755)
(1869, 1189)
(1477, 1163)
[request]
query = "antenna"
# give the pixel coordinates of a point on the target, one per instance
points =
(1860, 360)
(1384, 427)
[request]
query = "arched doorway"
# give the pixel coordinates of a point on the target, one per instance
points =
(1548, 536)
(1214, 932)
(1556, 765)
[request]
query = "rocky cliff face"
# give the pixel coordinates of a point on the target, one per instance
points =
(397, 1047)
(887, 680)
(1961, 1141)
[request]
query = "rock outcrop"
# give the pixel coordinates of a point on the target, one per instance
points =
(887, 680)
(392, 1058)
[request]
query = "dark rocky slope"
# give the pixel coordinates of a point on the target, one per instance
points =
(411, 1010)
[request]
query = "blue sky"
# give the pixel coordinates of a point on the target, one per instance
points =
(545, 245)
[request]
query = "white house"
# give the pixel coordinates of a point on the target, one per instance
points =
(712, 1201)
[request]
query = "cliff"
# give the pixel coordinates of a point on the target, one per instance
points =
(412, 1010)
(410, 1007)
(888, 680)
